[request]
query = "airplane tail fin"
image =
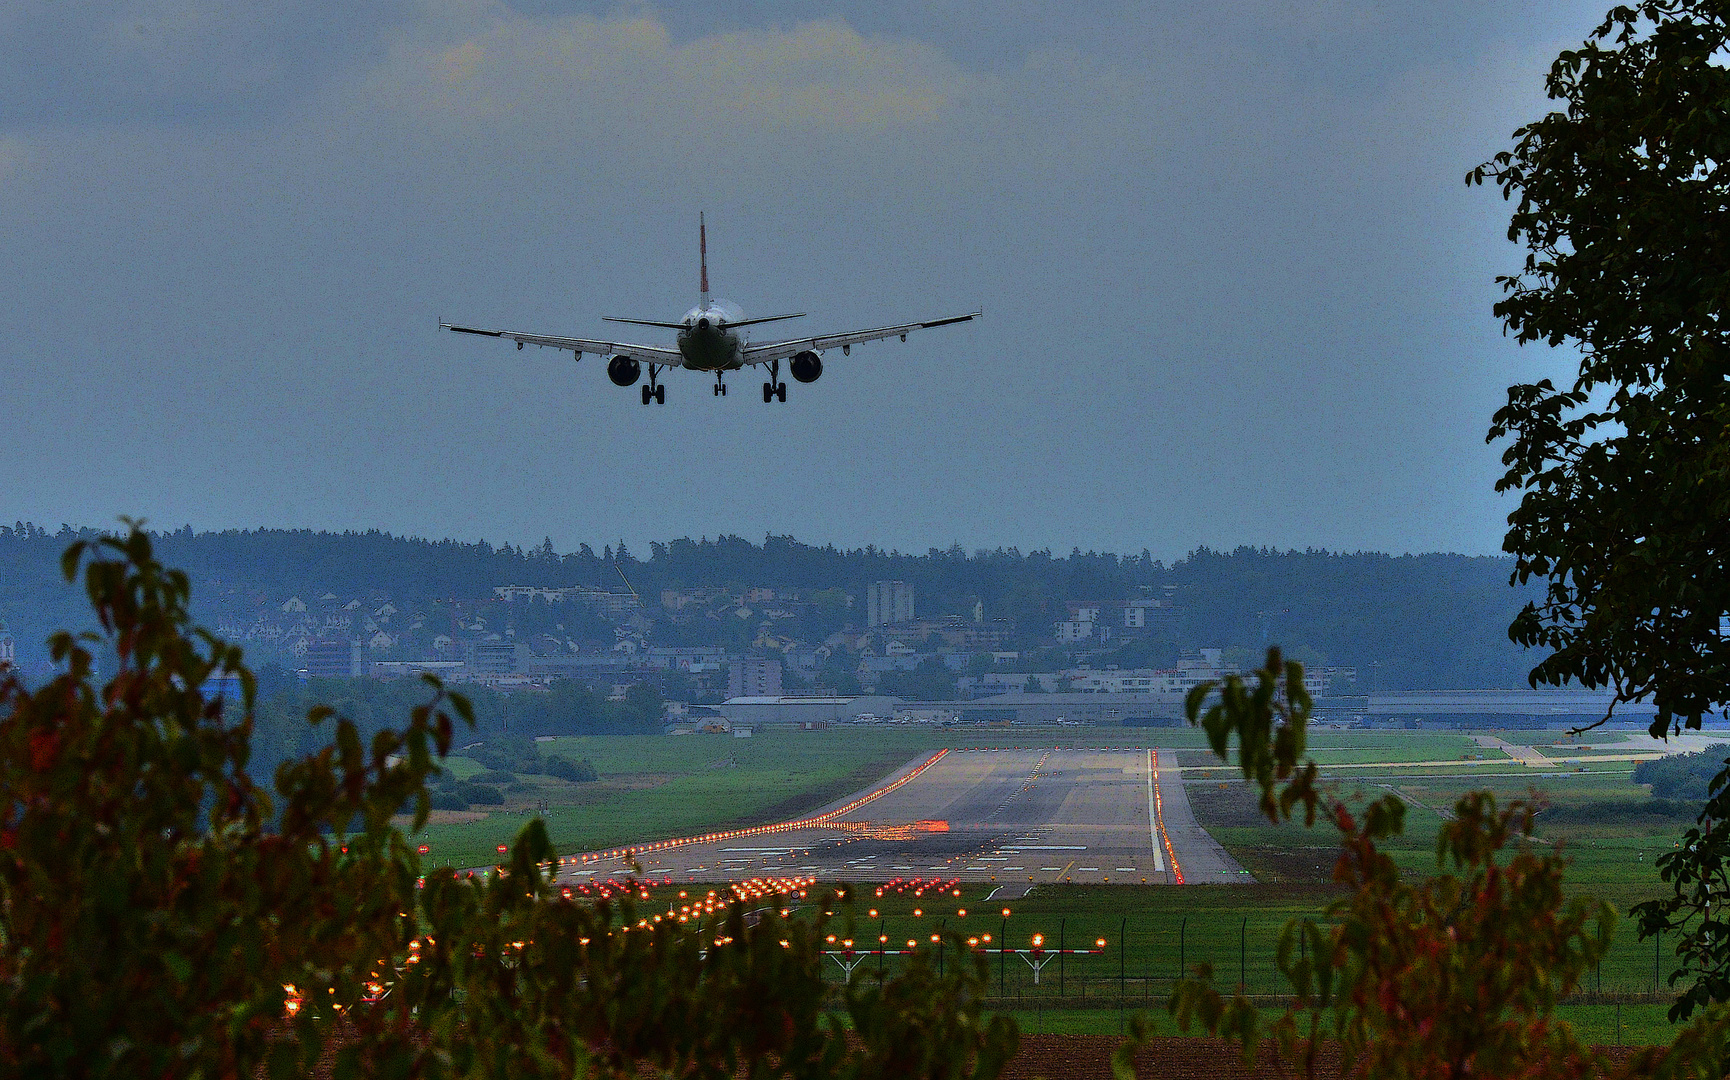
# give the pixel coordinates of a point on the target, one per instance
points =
(703, 260)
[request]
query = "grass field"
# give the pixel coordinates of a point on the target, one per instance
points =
(657, 787)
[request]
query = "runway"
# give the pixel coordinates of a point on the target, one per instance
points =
(1008, 816)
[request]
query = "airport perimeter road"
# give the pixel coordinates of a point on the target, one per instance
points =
(1007, 816)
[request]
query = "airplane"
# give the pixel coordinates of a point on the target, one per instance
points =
(709, 340)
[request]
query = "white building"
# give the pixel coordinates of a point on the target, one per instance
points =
(888, 602)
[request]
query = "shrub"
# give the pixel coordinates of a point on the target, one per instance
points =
(447, 800)
(1683, 776)
(481, 795)
(496, 777)
(577, 772)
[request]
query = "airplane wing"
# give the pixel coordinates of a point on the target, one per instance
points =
(648, 354)
(781, 350)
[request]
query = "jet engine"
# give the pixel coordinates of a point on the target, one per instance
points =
(623, 370)
(807, 366)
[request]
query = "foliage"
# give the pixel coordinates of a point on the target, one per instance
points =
(932, 680)
(136, 865)
(1454, 977)
(1683, 776)
(577, 772)
(1625, 474)
(1270, 722)
(163, 916)
(1698, 872)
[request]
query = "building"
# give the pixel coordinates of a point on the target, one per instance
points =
(8, 650)
(888, 602)
(328, 658)
(768, 711)
(497, 658)
(752, 677)
(1561, 707)
(1127, 710)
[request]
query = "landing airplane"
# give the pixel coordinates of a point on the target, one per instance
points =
(709, 340)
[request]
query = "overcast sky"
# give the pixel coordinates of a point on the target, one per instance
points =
(1235, 291)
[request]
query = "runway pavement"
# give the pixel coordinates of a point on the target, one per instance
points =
(1006, 816)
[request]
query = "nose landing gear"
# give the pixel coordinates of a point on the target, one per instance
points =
(720, 387)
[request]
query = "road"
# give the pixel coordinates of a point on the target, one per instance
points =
(1008, 816)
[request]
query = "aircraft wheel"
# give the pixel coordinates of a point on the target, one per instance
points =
(660, 395)
(768, 392)
(781, 391)
(646, 395)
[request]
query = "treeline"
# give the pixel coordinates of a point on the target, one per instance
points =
(504, 723)
(1404, 622)
(505, 761)
(1685, 777)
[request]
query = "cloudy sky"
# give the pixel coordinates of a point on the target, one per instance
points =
(1234, 288)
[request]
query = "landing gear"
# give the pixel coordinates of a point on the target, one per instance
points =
(774, 389)
(720, 387)
(654, 391)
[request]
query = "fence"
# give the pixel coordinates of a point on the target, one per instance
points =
(1144, 958)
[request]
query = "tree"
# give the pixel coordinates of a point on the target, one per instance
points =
(1623, 204)
(162, 915)
(1455, 977)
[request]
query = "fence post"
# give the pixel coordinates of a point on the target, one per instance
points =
(1060, 957)
(1243, 956)
(1182, 961)
(1122, 969)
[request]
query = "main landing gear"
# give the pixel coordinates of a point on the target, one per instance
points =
(774, 389)
(653, 390)
(720, 387)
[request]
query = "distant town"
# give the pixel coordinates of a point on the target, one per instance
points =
(729, 635)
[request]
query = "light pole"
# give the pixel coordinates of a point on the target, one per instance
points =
(1003, 956)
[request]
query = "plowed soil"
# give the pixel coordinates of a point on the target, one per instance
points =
(1088, 1057)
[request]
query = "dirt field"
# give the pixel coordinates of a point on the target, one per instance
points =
(1088, 1057)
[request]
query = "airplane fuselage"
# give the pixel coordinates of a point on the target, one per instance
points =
(707, 343)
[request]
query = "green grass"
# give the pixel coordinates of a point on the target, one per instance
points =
(656, 787)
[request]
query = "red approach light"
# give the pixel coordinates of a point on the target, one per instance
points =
(423, 849)
(504, 848)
